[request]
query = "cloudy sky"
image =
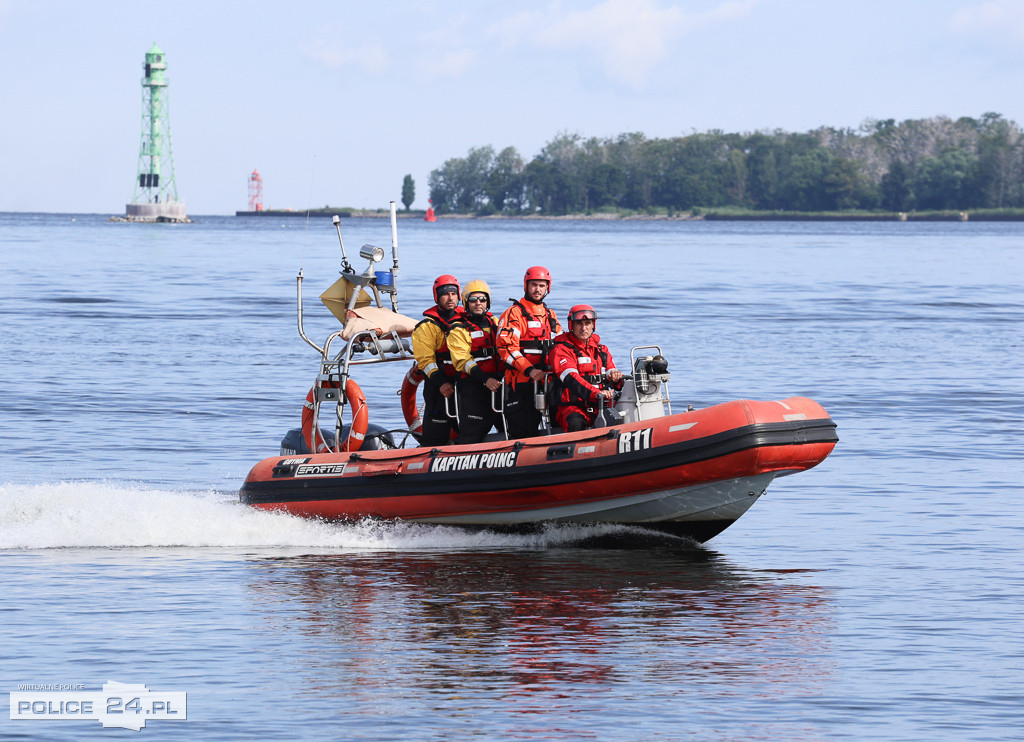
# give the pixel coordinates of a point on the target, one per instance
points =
(335, 101)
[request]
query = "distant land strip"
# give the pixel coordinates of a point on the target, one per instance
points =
(979, 215)
(935, 166)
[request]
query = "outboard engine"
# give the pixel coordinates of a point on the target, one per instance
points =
(377, 438)
(649, 372)
(645, 396)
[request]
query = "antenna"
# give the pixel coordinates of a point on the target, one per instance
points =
(345, 267)
(394, 238)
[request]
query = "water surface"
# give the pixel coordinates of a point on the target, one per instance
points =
(145, 368)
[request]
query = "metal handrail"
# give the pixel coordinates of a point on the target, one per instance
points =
(667, 397)
(452, 398)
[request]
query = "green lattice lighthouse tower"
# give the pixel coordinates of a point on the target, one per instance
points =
(156, 194)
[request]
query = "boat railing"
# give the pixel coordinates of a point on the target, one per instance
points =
(356, 283)
(451, 408)
(451, 405)
(331, 383)
(651, 396)
(540, 400)
(384, 349)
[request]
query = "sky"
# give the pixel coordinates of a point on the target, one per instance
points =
(335, 101)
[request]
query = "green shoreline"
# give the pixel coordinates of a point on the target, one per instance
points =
(977, 215)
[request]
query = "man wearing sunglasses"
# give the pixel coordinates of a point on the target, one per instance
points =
(471, 342)
(585, 369)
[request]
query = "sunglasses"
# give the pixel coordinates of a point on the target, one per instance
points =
(476, 299)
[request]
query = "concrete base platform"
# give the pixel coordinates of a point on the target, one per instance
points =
(170, 211)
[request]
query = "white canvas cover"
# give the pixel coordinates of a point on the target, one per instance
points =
(377, 320)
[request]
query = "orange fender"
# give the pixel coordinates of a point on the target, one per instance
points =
(410, 408)
(356, 400)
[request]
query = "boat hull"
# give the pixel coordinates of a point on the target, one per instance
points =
(692, 474)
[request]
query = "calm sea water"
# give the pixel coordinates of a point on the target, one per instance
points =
(145, 368)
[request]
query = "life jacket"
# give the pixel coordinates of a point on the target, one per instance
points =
(534, 335)
(592, 361)
(481, 347)
(442, 355)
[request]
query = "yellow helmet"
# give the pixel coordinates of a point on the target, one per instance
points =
(477, 286)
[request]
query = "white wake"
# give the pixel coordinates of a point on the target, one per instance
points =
(100, 515)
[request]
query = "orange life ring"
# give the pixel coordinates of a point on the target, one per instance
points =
(356, 400)
(410, 408)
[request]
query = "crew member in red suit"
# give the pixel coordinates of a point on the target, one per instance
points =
(471, 342)
(525, 330)
(430, 347)
(583, 366)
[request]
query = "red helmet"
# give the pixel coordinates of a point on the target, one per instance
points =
(581, 311)
(537, 273)
(446, 280)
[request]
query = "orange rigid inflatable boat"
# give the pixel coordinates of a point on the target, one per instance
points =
(689, 473)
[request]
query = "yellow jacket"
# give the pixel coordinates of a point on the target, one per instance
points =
(430, 347)
(472, 346)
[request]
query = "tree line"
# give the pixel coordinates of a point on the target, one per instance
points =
(921, 164)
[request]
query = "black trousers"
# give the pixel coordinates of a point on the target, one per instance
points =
(521, 413)
(575, 422)
(437, 426)
(476, 417)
